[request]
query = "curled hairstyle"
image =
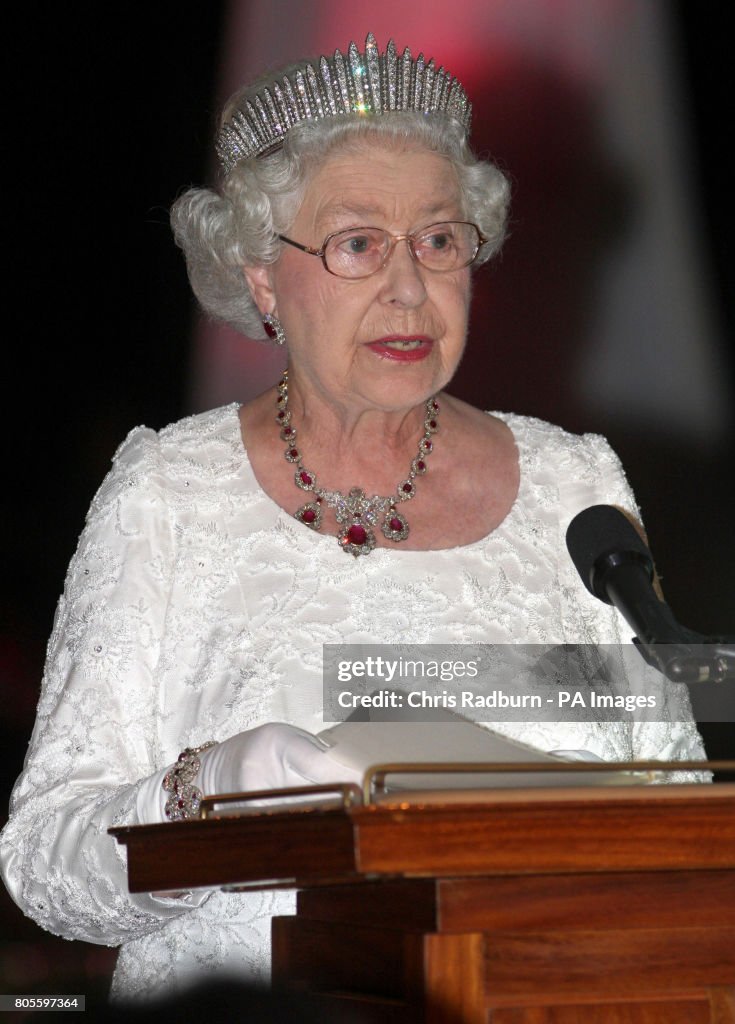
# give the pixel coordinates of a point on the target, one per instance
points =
(223, 231)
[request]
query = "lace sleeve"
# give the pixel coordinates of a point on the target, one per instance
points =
(675, 737)
(592, 474)
(92, 758)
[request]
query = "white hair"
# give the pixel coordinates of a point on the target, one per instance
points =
(222, 232)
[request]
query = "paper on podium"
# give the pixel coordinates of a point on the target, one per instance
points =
(362, 745)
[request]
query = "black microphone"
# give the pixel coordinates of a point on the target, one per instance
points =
(616, 566)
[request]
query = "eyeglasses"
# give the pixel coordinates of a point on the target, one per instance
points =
(362, 252)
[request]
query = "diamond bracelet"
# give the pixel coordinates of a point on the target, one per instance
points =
(185, 798)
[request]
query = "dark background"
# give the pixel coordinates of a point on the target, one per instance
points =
(106, 126)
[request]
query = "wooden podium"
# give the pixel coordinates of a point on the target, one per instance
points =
(574, 906)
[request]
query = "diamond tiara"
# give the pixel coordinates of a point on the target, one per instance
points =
(366, 83)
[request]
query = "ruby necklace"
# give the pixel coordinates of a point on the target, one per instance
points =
(355, 513)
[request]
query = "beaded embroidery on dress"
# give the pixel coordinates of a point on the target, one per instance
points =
(196, 608)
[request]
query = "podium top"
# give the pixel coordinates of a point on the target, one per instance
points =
(513, 832)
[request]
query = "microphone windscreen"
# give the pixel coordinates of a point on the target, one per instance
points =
(599, 531)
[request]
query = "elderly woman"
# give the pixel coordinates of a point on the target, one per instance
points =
(353, 502)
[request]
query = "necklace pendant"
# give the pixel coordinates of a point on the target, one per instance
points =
(357, 539)
(395, 526)
(356, 514)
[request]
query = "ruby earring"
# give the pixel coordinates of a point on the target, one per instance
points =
(274, 328)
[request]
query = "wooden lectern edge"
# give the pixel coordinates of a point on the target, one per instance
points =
(469, 798)
(679, 827)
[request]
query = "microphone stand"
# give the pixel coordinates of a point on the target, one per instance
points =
(624, 579)
(696, 659)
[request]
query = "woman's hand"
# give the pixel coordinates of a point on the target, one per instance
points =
(272, 756)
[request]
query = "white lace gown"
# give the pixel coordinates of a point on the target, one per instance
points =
(196, 608)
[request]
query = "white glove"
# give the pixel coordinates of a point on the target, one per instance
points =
(273, 756)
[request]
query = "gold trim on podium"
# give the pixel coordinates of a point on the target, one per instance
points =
(376, 775)
(348, 793)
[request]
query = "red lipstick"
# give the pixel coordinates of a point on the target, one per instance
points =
(403, 348)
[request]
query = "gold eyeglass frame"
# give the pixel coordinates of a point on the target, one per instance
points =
(394, 240)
